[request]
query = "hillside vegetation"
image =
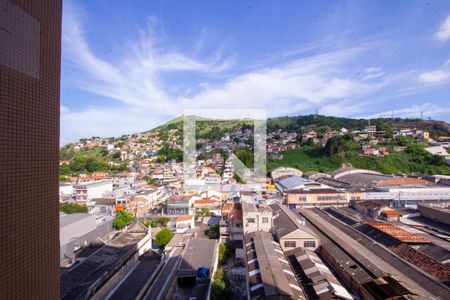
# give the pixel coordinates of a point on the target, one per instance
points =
(311, 122)
(311, 159)
(308, 157)
(89, 160)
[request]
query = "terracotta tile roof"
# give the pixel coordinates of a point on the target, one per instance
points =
(184, 218)
(398, 233)
(390, 213)
(424, 262)
(205, 201)
(227, 207)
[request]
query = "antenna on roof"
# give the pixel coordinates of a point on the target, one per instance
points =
(421, 115)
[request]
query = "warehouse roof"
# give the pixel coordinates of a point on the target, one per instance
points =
(198, 253)
(286, 221)
(270, 275)
(294, 182)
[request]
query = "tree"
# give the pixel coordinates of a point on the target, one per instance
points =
(163, 236)
(71, 208)
(168, 153)
(213, 231)
(65, 170)
(219, 288)
(334, 145)
(246, 156)
(163, 221)
(309, 142)
(149, 180)
(224, 252)
(122, 219)
(204, 212)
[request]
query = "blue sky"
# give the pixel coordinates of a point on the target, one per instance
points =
(128, 66)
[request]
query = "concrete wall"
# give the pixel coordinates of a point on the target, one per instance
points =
(258, 224)
(102, 231)
(434, 213)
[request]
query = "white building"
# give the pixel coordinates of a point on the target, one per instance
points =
(65, 190)
(89, 190)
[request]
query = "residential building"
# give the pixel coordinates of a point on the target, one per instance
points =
(65, 191)
(231, 227)
(179, 205)
(84, 192)
(102, 206)
(183, 223)
(213, 206)
(255, 218)
(30, 68)
(123, 179)
(371, 130)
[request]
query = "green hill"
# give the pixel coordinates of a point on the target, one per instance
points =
(306, 158)
(314, 122)
(310, 159)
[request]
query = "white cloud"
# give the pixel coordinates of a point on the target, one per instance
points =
(447, 63)
(141, 99)
(133, 82)
(372, 73)
(434, 76)
(443, 34)
(105, 121)
(294, 87)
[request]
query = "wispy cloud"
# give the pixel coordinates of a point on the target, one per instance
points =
(443, 34)
(414, 111)
(337, 82)
(434, 76)
(133, 83)
(372, 73)
(293, 87)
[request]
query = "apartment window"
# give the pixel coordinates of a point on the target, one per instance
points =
(290, 244)
(309, 244)
(265, 220)
(250, 220)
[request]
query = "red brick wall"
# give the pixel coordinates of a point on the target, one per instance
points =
(29, 142)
